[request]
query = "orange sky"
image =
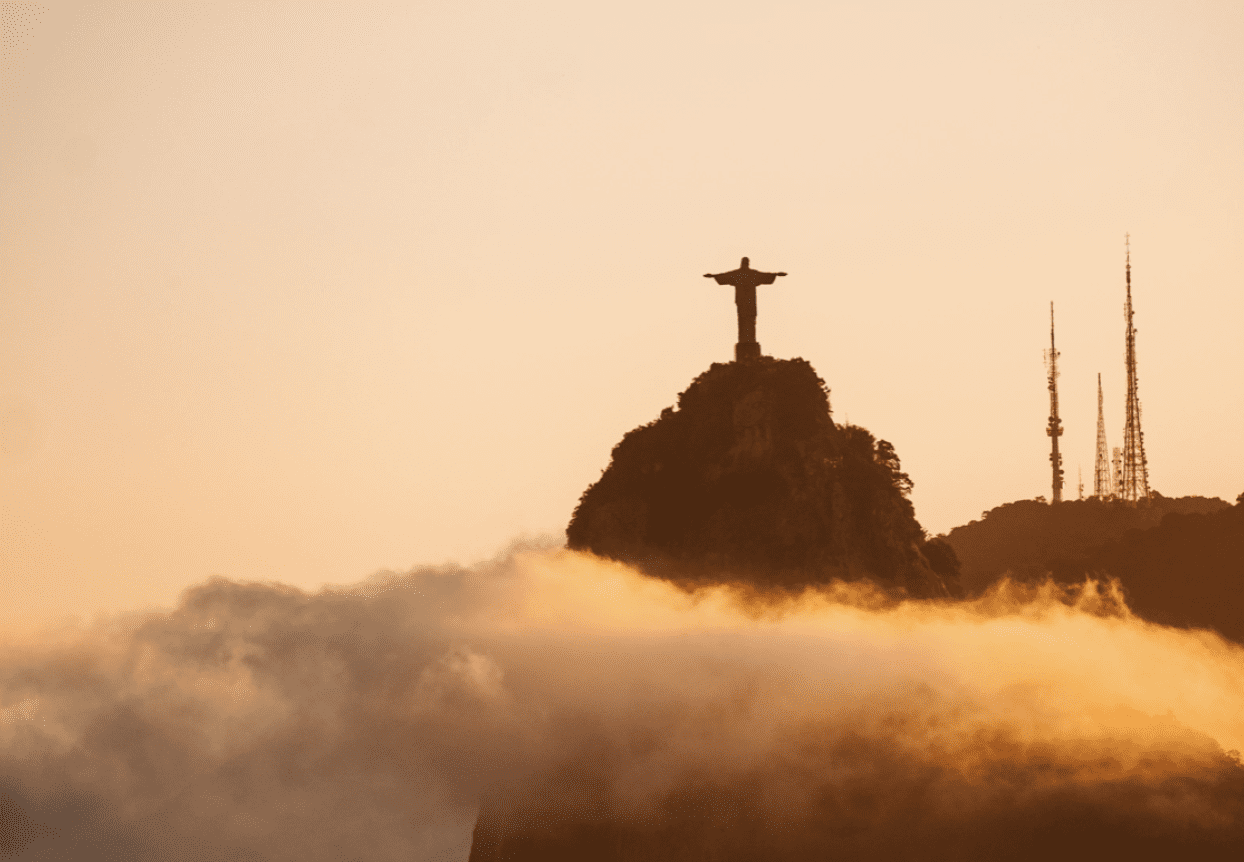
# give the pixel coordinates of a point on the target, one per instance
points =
(299, 291)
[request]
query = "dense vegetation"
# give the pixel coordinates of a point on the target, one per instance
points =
(1030, 538)
(1180, 561)
(749, 479)
(1187, 571)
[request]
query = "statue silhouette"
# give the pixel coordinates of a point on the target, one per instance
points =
(745, 280)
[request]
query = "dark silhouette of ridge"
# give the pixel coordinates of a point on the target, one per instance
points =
(1180, 560)
(1188, 571)
(750, 481)
(1030, 538)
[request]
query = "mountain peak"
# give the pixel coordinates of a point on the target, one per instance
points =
(749, 480)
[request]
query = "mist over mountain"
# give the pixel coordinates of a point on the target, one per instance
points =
(1179, 561)
(1188, 571)
(777, 674)
(603, 714)
(750, 484)
(750, 480)
(1030, 539)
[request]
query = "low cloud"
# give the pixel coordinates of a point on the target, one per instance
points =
(257, 721)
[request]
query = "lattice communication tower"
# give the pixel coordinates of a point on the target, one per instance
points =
(1135, 473)
(1103, 487)
(1055, 428)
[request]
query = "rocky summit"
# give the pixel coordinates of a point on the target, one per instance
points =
(749, 480)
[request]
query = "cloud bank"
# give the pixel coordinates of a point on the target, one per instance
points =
(260, 722)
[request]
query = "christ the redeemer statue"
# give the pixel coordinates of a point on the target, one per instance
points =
(744, 280)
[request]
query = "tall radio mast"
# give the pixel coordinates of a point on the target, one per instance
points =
(1055, 427)
(1135, 486)
(1103, 488)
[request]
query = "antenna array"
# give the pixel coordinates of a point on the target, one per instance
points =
(1134, 486)
(1103, 487)
(1055, 428)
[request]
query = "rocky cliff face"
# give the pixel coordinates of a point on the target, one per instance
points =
(750, 480)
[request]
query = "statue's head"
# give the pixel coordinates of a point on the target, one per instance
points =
(744, 264)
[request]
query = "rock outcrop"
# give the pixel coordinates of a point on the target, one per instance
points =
(750, 480)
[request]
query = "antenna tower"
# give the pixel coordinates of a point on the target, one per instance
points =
(1055, 427)
(1135, 484)
(1080, 482)
(1103, 487)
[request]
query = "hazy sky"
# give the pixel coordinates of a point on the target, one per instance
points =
(300, 291)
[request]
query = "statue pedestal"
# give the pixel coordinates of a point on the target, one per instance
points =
(746, 350)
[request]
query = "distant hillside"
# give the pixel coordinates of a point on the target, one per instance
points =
(1187, 571)
(1180, 561)
(749, 479)
(1030, 538)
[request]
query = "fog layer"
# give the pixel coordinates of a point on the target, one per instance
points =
(257, 721)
